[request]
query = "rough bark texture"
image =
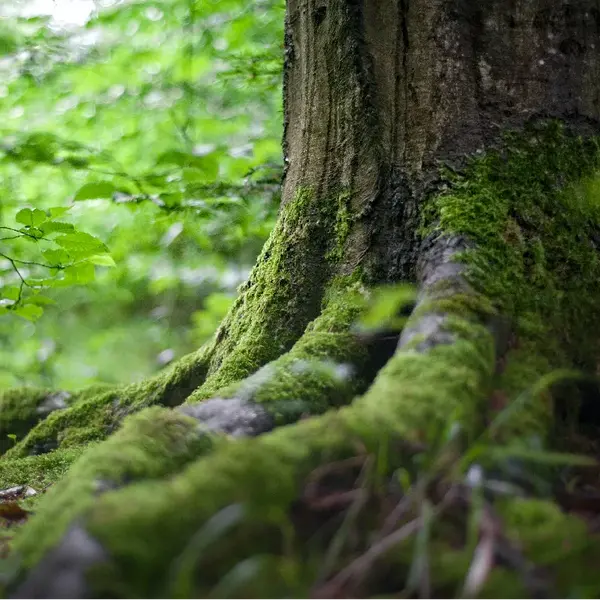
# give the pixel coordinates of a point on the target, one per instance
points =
(502, 244)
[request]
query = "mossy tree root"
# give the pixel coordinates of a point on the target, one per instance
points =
(93, 413)
(442, 374)
(22, 408)
(501, 304)
(287, 289)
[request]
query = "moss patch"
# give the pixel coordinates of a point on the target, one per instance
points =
(143, 523)
(285, 290)
(155, 443)
(556, 541)
(20, 411)
(533, 211)
(37, 471)
(425, 394)
(282, 295)
(342, 227)
(322, 370)
(532, 220)
(96, 412)
(527, 422)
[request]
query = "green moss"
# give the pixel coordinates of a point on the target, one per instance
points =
(37, 471)
(416, 397)
(448, 566)
(155, 443)
(151, 527)
(531, 219)
(572, 572)
(342, 227)
(19, 413)
(95, 413)
(528, 423)
(90, 415)
(537, 525)
(322, 370)
(425, 394)
(532, 210)
(283, 293)
(557, 541)
(93, 390)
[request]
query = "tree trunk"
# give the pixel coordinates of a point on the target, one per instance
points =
(447, 143)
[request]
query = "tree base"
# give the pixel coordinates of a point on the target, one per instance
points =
(438, 480)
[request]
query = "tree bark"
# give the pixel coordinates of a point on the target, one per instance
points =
(447, 143)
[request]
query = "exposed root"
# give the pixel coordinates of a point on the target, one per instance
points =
(233, 416)
(93, 413)
(242, 469)
(422, 485)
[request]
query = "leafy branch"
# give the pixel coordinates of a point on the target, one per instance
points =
(69, 252)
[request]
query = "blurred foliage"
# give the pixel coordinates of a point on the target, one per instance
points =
(146, 140)
(388, 308)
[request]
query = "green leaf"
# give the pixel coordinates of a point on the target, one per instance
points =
(31, 218)
(104, 260)
(32, 232)
(56, 256)
(94, 191)
(31, 312)
(80, 273)
(56, 227)
(208, 164)
(225, 201)
(172, 157)
(37, 147)
(77, 162)
(9, 42)
(11, 292)
(155, 180)
(192, 175)
(197, 174)
(385, 306)
(39, 300)
(45, 282)
(172, 200)
(81, 245)
(540, 456)
(196, 168)
(58, 211)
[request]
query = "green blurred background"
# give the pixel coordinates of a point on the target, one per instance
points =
(170, 112)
